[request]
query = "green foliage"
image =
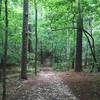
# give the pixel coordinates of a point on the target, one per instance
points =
(56, 19)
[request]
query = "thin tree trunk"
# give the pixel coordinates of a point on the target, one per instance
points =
(5, 51)
(36, 42)
(86, 56)
(78, 66)
(0, 17)
(41, 54)
(30, 49)
(24, 41)
(73, 58)
(0, 6)
(1, 40)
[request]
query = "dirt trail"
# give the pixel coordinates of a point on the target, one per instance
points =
(47, 86)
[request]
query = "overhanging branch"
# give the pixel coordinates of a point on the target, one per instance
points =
(92, 48)
(65, 28)
(93, 45)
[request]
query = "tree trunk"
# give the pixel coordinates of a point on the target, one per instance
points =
(86, 56)
(30, 49)
(5, 51)
(78, 66)
(24, 41)
(72, 56)
(41, 54)
(74, 40)
(0, 6)
(36, 42)
(1, 40)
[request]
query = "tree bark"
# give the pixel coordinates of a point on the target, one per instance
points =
(5, 51)
(24, 41)
(78, 66)
(73, 51)
(2, 42)
(36, 42)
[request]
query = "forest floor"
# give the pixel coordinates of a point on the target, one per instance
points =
(51, 85)
(46, 86)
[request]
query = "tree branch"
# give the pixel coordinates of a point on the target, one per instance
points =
(92, 51)
(63, 28)
(91, 38)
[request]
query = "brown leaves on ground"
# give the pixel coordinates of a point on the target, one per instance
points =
(46, 86)
(50, 85)
(86, 86)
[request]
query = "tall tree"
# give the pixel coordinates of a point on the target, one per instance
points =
(2, 39)
(5, 50)
(36, 42)
(78, 66)
(24, 41)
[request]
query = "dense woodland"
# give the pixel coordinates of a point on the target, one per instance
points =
(67, 32)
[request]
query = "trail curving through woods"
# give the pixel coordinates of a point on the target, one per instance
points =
(46, 86)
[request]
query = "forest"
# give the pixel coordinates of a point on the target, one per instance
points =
(49, 49)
